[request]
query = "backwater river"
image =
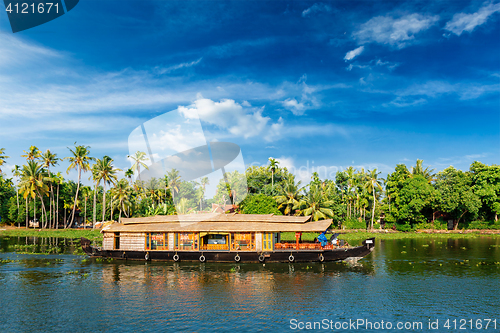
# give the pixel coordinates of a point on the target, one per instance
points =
(409, 285)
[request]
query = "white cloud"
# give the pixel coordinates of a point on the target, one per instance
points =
(399, 32)
(229, 115)
(402, 102)
(317, 7)
(286, 162)
(354, 53)
(388, 64)
(468, 22)
(275, 130)
(437, 88)
(163, 70)
(352, 66)
(298, 105)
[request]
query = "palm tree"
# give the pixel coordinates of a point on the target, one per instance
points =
(32, 154)
(273, 164)
(85, 191)
(182, 206)
(419, 170)
(58, 178)
(2, 157)
(316, 204)
(49, 159)
(139, 158)
(103, 170)
(32, 183)
(80, 161)
(129, 173)
(203, 182)
(17, 174)
(289, 196)
(121, 196)
(174, 182)
(372, 183)
(351, 180)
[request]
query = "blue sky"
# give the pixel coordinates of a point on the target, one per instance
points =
(314, 84)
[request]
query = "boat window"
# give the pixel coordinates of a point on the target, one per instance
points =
(214, 241)
(117, 241)
(243, 241)
(156, 241)
(186, 241)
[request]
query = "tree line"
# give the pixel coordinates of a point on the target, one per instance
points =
(406, 199)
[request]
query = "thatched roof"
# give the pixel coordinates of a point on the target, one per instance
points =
(217, 217)
(219, 223)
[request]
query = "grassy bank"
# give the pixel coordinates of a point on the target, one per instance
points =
(60, 233)
(352, 235)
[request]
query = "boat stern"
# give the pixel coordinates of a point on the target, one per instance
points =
(369, 243)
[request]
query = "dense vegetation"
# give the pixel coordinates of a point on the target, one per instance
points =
(408, 199)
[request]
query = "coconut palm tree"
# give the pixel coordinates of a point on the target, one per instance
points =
(174, 182)
(289, 197)
(351, 182)
(371, 183)
(139, 158)
(129, 173)
(103, 170)
(17, 173)
(85, 193)
(58, 179)
(32, 154)
(3, 157)
(121, 197)
(316, 204)
(49, 159)
(81, 162)
(203, 182)
(182, 206)
(33, 183)
(419, 170)
(273, 164)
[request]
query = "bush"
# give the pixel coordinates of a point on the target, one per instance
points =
(403, 227)
(388, 225)
(376, 225)
(259, 204)
(354, 224)
(482, 225)
(437, 225)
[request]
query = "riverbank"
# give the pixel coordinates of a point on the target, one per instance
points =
(58, 233)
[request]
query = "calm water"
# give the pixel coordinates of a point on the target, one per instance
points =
(401, 281)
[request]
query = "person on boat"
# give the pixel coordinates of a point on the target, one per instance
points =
(334, 240)
(322, 238)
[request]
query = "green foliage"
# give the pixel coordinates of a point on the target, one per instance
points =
(483, 225)
(6, 192)
(260, 179)
(437, 225)
(389, 225)
(234, 190)
(353, 223)
(62, 233)
(259, 204)
(406, 227)
(414, 200)
(486, 185)
(457, 197)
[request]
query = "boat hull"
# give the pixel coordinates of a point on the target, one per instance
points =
(234, 256)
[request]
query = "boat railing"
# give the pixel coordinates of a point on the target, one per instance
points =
(302, 246)
(215, 247)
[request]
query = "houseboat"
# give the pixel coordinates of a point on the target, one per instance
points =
(221, 238)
